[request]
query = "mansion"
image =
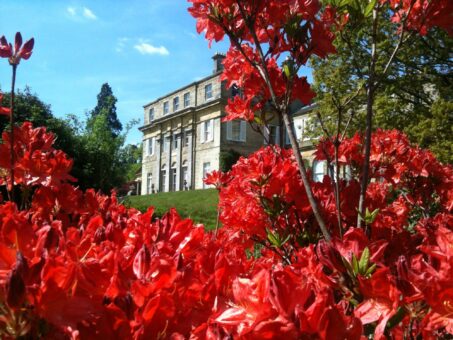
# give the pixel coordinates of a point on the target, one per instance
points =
(184, 136)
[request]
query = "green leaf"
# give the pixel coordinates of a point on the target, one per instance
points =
(344, 3)
(273, 239)
(287, 71)
(348, 266)
(355, 264)
(374, 214)
(364, 259)
(396, 318)
(370, 270)
(369, 8)
(286, 239)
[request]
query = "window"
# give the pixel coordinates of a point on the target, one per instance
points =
(318, 171)
(302, 127)
(206, 134)
(173, 177)
(208, 92)
(148, 146)
(236, 130)
(186, 99)
(163, 175)
(175, 141)
(235, 91)
(165, 108)
(344, 173)
(175, 104)
(287, 141)
(299, 128)
(151, 146)
(149, 181)
(206, 170)
(151, 115)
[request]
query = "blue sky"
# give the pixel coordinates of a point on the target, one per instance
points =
(142, 48)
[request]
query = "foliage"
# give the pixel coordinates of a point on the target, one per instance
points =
(106, 105)
(198, 205)
(418, 82)
(227, 159)
(131, 156)
(107, 163)
(102, 161)
(78, 263)
(29, 108)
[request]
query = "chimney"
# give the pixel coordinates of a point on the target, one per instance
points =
(218, 59)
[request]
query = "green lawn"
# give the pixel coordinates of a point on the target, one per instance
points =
(199, 205)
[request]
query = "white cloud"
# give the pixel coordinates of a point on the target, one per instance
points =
(145, 48)
(88, 13)
(71, 11)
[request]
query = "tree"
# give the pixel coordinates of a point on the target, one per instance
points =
(107, 105)
(28, 107)
(102, 169)
(130, 158)
(419, 85)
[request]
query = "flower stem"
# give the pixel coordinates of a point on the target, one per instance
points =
(11, 123)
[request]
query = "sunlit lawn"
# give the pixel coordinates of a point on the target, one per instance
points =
(199, 205)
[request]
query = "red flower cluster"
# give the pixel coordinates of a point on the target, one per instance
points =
(382, 278)
(78, 264)
(423, 14)
(36, 161)
(310, 36)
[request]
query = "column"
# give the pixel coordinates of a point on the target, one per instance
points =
(157, 152)
(167, 178)
(189, 159)
(178, 161)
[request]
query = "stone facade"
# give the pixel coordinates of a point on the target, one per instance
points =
(183, 135)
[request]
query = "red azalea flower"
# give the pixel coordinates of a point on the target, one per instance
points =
(216, 178)
(19, 52)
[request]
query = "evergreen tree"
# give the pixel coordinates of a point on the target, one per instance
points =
(106, 104)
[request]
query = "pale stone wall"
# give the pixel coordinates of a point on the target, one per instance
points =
(253, 141)
(216, 90)
(207, 151)
(159, 104)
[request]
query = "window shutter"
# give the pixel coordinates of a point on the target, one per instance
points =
(266, 135)
(243, 131)
(145, 146)
(211, 129)
(277, 135)
(229, 127)
(202, 132)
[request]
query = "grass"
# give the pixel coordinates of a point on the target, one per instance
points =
(199, 205)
